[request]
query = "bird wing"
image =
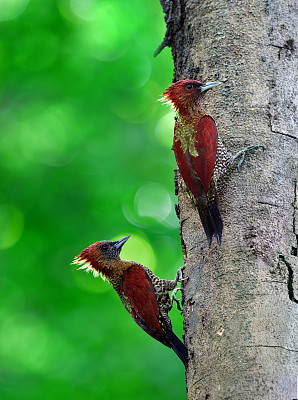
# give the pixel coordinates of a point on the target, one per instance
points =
(188, 173)
(143, 306)
(205, 141)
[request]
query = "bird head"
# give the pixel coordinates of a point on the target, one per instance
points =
(186, 94)
(100, 256)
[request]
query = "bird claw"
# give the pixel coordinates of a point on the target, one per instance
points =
(179, 275)
(178, 278)
(174, 298)
(243, 152)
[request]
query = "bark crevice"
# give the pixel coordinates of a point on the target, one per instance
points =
(265, 346)
(291, 291)
(284, 134)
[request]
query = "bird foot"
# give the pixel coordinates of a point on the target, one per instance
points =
(241, 154)
(179, 275)
(174, 298)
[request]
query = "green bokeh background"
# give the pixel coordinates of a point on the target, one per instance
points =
(84, 156)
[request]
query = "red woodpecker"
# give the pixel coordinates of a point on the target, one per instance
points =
(143, 294)
(199, 152)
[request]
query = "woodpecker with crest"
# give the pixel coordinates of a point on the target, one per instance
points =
(144, 295)
(199, 152)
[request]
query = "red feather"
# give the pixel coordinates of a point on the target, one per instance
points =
(195, 147)
(205, 142)
(139, 290)
(197, 170)
(187, 170)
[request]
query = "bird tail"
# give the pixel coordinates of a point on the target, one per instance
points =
(212, 222)
(178, 347)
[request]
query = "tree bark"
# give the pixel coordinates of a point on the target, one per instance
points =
(240, 302)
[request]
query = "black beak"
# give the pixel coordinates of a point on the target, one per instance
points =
(119, 243)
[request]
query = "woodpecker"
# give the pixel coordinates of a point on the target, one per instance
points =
(200, 155)
(144, 295)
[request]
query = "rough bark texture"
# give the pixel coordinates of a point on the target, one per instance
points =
(241, 299)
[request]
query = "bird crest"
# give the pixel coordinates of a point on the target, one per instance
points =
(165, 100)
(87, 266)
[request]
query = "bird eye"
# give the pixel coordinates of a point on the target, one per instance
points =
(104, 247)
(189, 86)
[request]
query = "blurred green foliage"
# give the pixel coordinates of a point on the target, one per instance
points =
(84, 156)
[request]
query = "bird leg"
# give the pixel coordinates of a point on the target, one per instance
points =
(179, 275)
(174, 298)
(241, 154)
(178, 278)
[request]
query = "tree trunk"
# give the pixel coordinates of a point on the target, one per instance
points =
(240, 302)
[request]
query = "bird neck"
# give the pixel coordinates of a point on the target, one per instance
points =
(185, 132)
(112, 270)
(189, 114)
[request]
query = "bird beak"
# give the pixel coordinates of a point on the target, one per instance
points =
(119, 243)
(208, 85)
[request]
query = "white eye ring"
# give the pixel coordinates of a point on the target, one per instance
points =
(189, 86)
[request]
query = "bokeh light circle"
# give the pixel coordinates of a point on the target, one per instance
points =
(153, 200)
(164, 129)
(138, 248)
(11, 9)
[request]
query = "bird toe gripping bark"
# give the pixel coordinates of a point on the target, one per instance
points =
(179, 275)
(242, 153)
(174, 298)
(178, 278)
